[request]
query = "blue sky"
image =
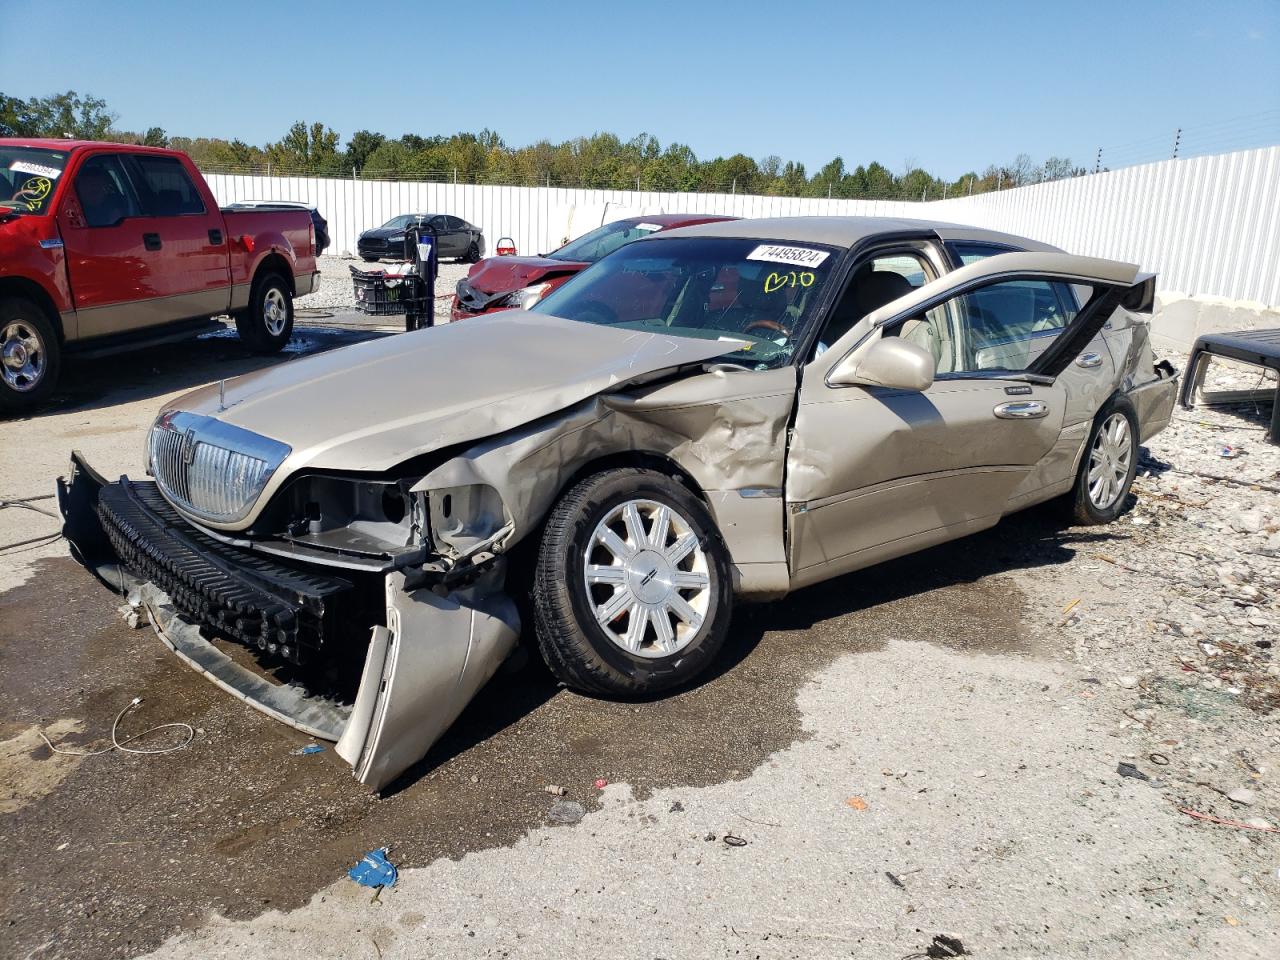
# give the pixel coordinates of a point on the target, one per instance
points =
(952, 86)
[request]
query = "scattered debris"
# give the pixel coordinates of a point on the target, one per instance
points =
(857, 803)
(306, 751)
(1241, 795)
(375, 870)
(943, 947)
(1227, 452)
(1246, 825)
(566, 811)
(1159, 759)
(117, 744)
(1129, 770)
(554, 790)
(734, 841)
(601, 783)
(709, 837)
(895, 881)
(676, 807)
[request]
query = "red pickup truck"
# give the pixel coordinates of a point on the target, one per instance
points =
(105, 246)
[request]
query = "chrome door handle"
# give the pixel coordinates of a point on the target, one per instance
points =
(1089, 360)
(1021, 410)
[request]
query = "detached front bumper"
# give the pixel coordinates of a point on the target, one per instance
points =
(425, 655)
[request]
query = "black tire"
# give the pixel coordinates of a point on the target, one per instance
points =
(473, 253)
(576, 648)
(28, 375)
(1084, 507)
(259, 325)
(369, 259)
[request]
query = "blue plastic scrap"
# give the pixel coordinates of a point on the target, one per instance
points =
(310, 749)
(375, 870)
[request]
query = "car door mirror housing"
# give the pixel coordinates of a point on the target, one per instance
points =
(889, 362)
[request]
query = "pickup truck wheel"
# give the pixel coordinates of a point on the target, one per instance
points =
(632, 592)
(30, 355)
(268, 322)
(1109, 464)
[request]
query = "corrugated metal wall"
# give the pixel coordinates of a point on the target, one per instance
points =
(1207, 225)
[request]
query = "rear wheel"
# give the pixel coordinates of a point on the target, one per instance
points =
(30, 356)
(632, 593)
(473, 253)
(1108, 465)
(267, 324)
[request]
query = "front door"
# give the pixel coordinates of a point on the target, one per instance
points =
(113, 281)
(875, 472)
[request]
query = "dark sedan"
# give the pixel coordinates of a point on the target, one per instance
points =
(457, 238)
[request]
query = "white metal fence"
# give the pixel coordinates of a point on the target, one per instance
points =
(1207, 225)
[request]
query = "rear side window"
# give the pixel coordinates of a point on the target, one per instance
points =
(165, 189)
(456, 224)
(968, 253)
(105, 194)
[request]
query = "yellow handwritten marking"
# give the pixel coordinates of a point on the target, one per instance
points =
(34, 192)
(776, 281)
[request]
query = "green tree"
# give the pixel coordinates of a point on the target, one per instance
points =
(306, 150)
(60, 115)
(361, 145)
(155, 137)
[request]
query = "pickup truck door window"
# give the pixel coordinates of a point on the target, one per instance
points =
(875, 472)
(113, 284)
(186, 244)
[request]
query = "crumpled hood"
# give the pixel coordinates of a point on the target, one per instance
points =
(506, 274)
(371, 406)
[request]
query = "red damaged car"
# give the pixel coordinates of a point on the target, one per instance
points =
(501, 283)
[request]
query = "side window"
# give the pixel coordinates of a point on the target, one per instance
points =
(456, 224)
(968, 253)
(441, 223)
(1003, 326)
(877, 281)
(165, 188)
(105, 194)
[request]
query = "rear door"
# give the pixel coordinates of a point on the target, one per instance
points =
(185, 237)
(875, 472)
(445, 236)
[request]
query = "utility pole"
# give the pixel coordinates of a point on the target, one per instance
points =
(999, 179)
(733, 188)
(828, 189)
(1097, 164)
(455, 176)
(1177, 141)
(971, 186)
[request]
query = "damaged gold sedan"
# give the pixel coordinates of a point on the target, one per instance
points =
(730, 410)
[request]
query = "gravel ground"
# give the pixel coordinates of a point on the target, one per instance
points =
(996, 740)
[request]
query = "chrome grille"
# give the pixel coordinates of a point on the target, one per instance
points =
(209, 468)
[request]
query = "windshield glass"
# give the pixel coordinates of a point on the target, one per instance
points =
(27, 178)
(397, 223)
(761, 291)
(601, 242)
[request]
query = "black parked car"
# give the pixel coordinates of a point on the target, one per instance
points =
(456, 237)
(320, 223)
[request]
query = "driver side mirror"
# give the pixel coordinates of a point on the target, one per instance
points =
(889, 362)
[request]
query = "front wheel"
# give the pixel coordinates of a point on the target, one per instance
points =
(267, 324)
(29, 355)
(1109, 464)
(632, 592)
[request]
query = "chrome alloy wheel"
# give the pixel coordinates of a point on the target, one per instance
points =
(275, 311)
(647, 578)
(22, 356)
(1109, 461)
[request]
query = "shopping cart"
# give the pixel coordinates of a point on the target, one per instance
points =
(408, 289)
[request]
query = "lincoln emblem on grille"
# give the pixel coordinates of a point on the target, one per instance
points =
(188, 446)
